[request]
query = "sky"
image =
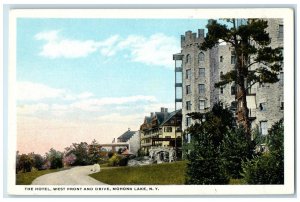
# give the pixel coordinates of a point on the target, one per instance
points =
(85, 79)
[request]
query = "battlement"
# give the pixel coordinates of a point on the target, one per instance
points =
(190, 37)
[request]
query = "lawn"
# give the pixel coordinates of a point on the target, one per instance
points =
(156, 174)
(27, 178)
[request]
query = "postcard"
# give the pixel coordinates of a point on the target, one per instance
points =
(151, 102)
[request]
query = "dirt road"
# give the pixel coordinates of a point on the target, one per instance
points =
(74, 176)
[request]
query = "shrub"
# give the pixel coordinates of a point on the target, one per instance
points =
(123, 161)
(268, 167)
(235, 149)
(69, 160)
(114, 160)
(206, 165)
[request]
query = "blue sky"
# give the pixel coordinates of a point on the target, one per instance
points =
(84, 79)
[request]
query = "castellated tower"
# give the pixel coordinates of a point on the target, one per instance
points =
(197, 71)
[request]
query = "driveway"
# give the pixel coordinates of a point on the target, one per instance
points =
(74, 176)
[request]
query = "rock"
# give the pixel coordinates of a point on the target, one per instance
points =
(96, 168)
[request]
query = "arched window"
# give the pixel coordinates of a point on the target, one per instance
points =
(188, 58)
(201, 57)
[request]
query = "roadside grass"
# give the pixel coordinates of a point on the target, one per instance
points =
(28, 177)
(236, 182)
(156, 174)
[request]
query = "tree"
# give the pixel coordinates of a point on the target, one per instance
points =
(55, 158)
(268, 167)
(39, 161)
(80, 151)
(206, 165)
(251, 45)
(235, 149)
(94, 151)
(25, 163)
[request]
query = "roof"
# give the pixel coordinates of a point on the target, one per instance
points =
(161, 116)
(148, 119)
(172, 114)
(126, 136)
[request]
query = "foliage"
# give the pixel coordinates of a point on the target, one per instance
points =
(205, 164)
(38, 160)
(55, 159)
(24, 163)
(114, 160)
(268, 167)
(80, 151)
(94, 150)
(69, 160)
(155, 174)
(110, 154)
(251, 46)
(235, 149)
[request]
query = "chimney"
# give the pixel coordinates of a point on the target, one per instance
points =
(162, 109)
(128, 129)
(166, 109)
(151, 114)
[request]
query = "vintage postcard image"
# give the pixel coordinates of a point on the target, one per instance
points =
(151, 102)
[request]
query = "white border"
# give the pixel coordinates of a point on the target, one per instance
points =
(286, 14)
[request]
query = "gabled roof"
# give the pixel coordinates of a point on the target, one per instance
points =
(161, 116)
(126, 136)
(148, 119)
(171, 115)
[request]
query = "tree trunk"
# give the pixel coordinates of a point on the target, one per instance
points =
(242, 93)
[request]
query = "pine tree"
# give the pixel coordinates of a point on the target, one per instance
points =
(251, 44)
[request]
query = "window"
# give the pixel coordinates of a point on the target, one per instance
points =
(281, 78)
(280, 32)
(221, 58)
(202, 104)
(202, 72)
(201, 89)
(233, 57)
(188, 121)
(188, 89)
(188, 138)
(264, 127)
(188, 58)
(168, 129)
(262, 106)
(188, 74)
(221, 90)
(281, 103)
(188, 105)
(201, 57)
(221, 74)
(233, 90)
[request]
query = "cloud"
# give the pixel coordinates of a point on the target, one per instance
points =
(31, 109)
(96, 104)
(35, 91)
(57, 46)
(30, 91)
(156, 49)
